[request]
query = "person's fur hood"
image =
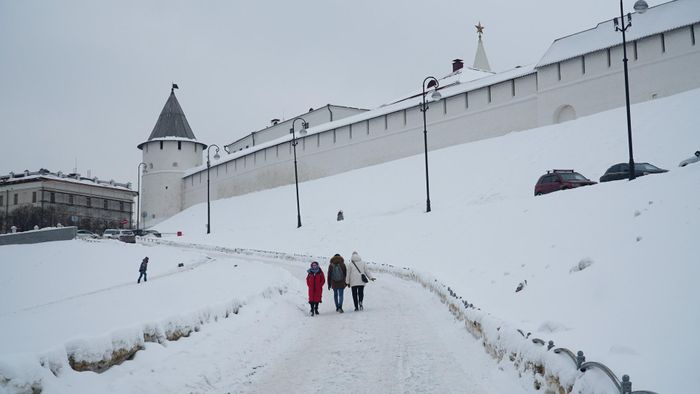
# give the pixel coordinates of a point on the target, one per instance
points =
(355, 257)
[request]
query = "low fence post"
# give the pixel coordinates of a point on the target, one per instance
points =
(626, 385)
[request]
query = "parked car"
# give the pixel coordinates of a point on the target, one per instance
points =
(122, 235)
(86, 234)
(622, 171)
(560, 180)
(690, 160)
(147, 233)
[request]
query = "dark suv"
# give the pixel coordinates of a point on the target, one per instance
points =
(560, 180)
(622, 171)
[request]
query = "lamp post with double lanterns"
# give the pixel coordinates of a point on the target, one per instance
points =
(640, 6)
(139, 171)
(304, 126)
(431, 82)
(216, 157)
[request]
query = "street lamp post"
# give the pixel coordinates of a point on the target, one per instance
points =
(138, 192)
(432, 82)
(216, 157)
(640, 6)
(304, 126)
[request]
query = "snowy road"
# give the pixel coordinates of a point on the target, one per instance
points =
(405, 341)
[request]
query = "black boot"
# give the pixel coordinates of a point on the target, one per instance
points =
(312, 308)
(316, 308)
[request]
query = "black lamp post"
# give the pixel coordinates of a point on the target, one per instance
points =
(216, 157)
(138, 192)
(304, 126)
(432, 83)
(640, 6)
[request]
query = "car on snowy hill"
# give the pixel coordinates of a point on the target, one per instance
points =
(622, 171)
(690, 160)
(122, 235)
(560, 180)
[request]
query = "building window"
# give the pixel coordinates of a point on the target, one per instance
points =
(466, 100)
(16, 198)
(89, 202)
(488, 91)
(583, 63)
(405, 120)
(33, 197)
(559, 71)
(105, 204)
(444, 106)
(174, 164)
(52, 198)
(161, 145)
(636, 55)
(512, 87)
(334, 136)
(195, 150)
(179, 145)
(70, 199)
(663, 43)
(2, 200)
(386, 122)
(692, 34)
(121, 206)
(609, 60)
(350, 132)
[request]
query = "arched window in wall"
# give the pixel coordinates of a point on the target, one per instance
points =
(565, 113)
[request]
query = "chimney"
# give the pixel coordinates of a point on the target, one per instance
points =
(457, 64)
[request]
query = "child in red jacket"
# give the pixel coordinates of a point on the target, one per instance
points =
(315, 281)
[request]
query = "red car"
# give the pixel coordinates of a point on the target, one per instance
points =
(560, 180)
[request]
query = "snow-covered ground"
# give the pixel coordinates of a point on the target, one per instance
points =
(610, 270)
(634, 306)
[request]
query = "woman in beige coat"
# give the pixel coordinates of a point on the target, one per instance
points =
(356, 269)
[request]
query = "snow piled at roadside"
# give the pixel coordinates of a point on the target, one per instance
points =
(96, 316)
(610, 268)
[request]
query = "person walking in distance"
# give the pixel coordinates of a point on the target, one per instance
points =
(315, 281)
(336, 280)
(357, 277)
(142, 270)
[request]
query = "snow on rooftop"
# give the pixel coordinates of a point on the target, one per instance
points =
(453, 89)
(658, 19)
(72, 178)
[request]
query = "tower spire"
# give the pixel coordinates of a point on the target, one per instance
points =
(481, 62)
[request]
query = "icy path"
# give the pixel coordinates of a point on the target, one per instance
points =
(404, 341)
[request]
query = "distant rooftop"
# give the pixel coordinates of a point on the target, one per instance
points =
(172, 121)
(658, 19)
(28, 176)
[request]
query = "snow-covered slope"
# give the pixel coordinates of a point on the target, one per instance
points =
(634, 306)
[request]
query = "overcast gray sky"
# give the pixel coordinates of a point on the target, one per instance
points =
(87, 80)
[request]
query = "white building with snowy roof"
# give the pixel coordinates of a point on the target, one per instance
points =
(70, 199)
(579, 75)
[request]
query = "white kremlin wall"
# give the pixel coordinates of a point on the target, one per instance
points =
(523, 98)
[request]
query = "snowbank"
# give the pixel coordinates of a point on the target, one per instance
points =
(87, 313)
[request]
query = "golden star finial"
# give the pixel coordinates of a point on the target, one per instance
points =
(479, 29)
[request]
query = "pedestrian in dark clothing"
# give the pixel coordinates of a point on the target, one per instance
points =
(315, 281)
(142, 270)
(336, 280)
(358, 276)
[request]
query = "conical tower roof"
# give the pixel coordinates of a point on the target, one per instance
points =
(481, 62)
(172, 121)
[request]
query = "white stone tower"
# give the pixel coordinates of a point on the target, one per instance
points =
(170, 150)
